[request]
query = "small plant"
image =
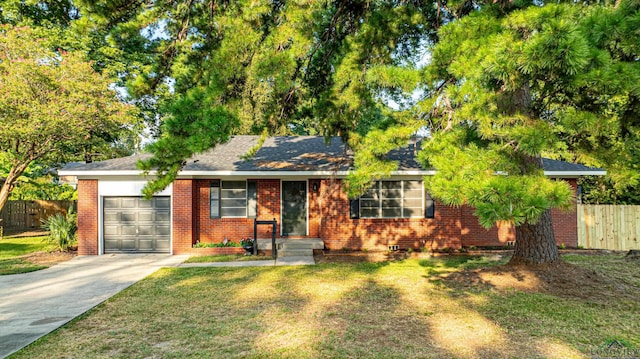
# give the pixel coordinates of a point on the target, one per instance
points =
(562, 246)
(62, 229)
(215, 245)
(246, 241)
(410, 250)
(580, 246)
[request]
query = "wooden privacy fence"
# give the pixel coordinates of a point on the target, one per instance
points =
(609, 227)
(27, 215)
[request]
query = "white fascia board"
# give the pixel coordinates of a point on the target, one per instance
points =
(102, 173)
(277, 174)
(256, 174)
(571, 174)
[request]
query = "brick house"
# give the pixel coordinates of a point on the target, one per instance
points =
(295, 180)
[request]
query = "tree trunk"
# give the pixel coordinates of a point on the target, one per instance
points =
(16, 171)
(535, 243)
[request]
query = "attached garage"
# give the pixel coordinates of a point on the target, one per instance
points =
(136, 225)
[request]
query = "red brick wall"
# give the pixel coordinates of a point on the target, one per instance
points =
(215, 230)
(183, 219)
(338, 231)
(315, 208)
(329, 220)
(87, 217)
(565, 223)
(473, 234)
(565, 227)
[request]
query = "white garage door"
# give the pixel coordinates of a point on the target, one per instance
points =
(133, 224)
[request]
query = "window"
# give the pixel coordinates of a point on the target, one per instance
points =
(231, 199)
(390, 199)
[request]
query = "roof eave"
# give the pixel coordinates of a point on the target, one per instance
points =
(187, 174)
(575, 174)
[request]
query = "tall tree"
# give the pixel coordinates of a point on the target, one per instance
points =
(508, 87)
(51, 105)
(504, 84)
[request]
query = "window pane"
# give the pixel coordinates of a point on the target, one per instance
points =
(234, 193)
(233, 212)
(369, 213)
(234, 185)
(391, 193)
(413, 193)
(412, 202)
(242, 203)
(233, 199)
(412, 212)
(371, 193)
(413, 185)
(392, 212)
(391, 203)
(391, 184)
(369, 203)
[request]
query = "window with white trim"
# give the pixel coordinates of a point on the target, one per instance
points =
(233, 199)
(393, 199)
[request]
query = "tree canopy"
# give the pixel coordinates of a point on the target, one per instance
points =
(53, 105)
(496, 85)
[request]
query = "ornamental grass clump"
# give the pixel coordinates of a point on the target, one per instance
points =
(62, 229)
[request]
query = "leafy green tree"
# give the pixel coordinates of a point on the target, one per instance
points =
(36, 182)
(51, 105)
(505, 88)
(505, 83)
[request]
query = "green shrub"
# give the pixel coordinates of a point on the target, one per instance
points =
(62, 229)
(216, 245)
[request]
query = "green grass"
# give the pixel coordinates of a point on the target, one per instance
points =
(11, 247)
(17, 265)
(226, 258)
(364, 310)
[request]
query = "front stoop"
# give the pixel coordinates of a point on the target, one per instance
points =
(302, 247)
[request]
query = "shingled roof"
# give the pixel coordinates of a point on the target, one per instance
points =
(285, 154)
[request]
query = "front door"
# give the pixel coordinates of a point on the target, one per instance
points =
(294, 208)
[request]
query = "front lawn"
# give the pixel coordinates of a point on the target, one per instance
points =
(14, 246)
(226, 258)
(11, 248)
(405, 309)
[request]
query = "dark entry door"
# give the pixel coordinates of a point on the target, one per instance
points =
(294, 208)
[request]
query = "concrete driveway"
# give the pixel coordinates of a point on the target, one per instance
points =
(34, 304)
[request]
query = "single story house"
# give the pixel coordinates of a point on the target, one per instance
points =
(295, 180)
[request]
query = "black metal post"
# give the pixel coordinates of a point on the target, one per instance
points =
(274, 250)
(255, 236)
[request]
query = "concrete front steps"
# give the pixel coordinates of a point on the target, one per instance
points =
(292, 247)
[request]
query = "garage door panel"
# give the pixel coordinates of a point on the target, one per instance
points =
(129, 244)
(127, 202)
(163, 244)
(132, 224)
(163, 230)
(145, 244)
(145, 230)
(146, 216)
(162, 203)
(110, 230)
(163, 216)
(128, 216)
(128, 230)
